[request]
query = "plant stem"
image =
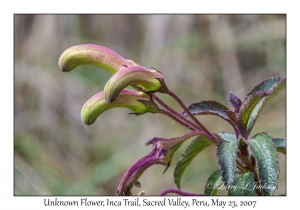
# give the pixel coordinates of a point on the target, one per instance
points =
(156, 98)
(195, 133)
(246, 161)
(240, 166)
(243, 146)
(176, 140)
(173, 95)
(252, 169)
(179, 192)
(169, 114)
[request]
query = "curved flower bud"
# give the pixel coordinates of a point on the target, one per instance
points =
(149, 80)
(139, 102)
(134, 172)
(170, 146)
(92, 54)
(161, 154)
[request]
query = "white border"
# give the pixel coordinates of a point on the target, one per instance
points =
(9, 8)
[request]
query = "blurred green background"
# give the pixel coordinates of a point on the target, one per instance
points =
(201, 57)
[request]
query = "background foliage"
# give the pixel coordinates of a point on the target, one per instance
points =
(201, 57)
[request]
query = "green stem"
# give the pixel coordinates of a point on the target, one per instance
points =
(243, 168)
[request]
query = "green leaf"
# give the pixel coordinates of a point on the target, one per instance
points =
(195, 147)
(209, 107)
(212, 183)
(206, 108)
(243, 185)
(274, 86)
(267, 163)
(280, 145)
(247, 108)
(266, 85)
(226, 154)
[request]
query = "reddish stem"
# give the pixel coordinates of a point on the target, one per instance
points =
(178, 192)
(169, 114)
(156, 98)
(173, 95)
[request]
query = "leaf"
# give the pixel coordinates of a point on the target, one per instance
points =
(280, 145)
(209, 107)
(247, 108)
(226, 154)
(274, 85)
(212, 183)
(243, 185)
(267, 163)
(235, 101)
(195, 147)
(266, 85)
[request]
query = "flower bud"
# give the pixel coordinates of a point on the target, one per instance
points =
(92, 54)
(139, 102)
(149, 80)
(133, 174)
(159, 155)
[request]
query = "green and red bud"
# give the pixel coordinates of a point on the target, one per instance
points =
(162, 154)
(137, 101)
(169, 146)
(133, 174)
(92, 54)
(148, 80)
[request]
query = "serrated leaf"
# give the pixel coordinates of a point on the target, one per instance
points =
(226, 154)
(274, 85)
(243, 185)
(266, 85)
(194, 148)
(247, 108)
(235, 101)
(212, 183)
(209, 107)
(280, 145)
(267, 163)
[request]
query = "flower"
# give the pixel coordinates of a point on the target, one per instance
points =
(142, 78)
(137, 101)
(134, 172)
(92, 54)
(162, 153)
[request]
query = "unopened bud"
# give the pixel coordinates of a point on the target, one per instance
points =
(92, 54)
(149, 80)
(137, 101)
